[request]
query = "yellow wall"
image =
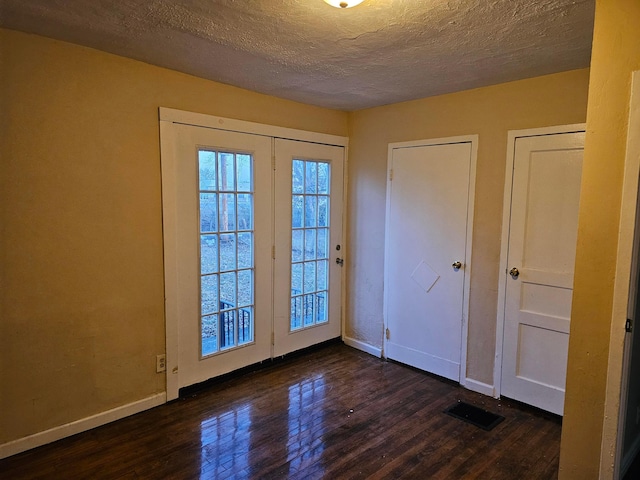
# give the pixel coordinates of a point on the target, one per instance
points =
(81, 279)
(616, 53)
(490, 112)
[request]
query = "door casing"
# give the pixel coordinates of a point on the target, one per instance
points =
(504, 244)
(619, 341)
(168, 117)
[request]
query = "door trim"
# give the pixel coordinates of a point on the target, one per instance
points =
(473, 140)
(168, 117)
(512, 136)
(623, 299)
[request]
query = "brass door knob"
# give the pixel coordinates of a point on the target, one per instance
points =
(456, 265)
(514, 272)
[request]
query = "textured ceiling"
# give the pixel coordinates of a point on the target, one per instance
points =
(380, 52)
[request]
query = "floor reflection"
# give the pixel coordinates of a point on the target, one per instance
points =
(306, 425)
(294, 433)
(225, 442)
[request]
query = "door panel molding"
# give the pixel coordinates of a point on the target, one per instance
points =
(512, 136)
(388, 347)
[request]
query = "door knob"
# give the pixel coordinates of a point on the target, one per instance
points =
(456, 265)
(514, 272)
(340, 261)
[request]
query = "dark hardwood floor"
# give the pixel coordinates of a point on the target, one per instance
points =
(332, 413)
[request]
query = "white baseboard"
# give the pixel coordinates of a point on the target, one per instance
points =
(479, 387)
(365, 347)
(56, 433)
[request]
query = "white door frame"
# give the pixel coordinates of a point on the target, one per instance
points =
(513, 135)
(167, 117)
(619, 341)
(473, 139)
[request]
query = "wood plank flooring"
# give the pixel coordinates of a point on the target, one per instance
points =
(333, 413)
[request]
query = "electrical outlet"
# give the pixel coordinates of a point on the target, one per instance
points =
(161, 363)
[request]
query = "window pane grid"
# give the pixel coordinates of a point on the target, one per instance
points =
(225, 182)
(309, 243)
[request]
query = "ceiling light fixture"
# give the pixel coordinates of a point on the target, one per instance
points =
(344, 3)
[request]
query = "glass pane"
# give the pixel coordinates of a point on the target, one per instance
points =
(296, 245)
(296, 279)
(323, 247)
(226, 172)
(309, 277)
(297, 176)
(311, 179)
(311, 213)
(227, 328)
(310, 244)
(310, 210)
(297, 211)
(227, 212)
(244, 173)
(245, 288)
(245, 325)
(323, 178)
(227, 290)
(296, 312)
(226, 298)
(322, 266)
(207, 170)
(208, 212)
(245, 209)
(227, 252)
(308, 309)
(209, 334)
(323, 211)
(245, 250)
(209, 294)
(321, 307)
(208, 254)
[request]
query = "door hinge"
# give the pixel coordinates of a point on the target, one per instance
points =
(387, 333)
(273, 162)
(273, 252)
(390, 174)
(628, 326)
(273, 338)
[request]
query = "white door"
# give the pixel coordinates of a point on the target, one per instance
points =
(541, 254)
(426, 259)
(223, 238)
(308, 242)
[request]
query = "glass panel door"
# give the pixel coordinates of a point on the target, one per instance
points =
(252, 227)
(224, 235)
(308, 244)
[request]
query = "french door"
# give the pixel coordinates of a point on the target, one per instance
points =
(308, 250)
(252, 228)
(222, 234)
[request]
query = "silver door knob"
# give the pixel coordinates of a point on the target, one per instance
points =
(456, 265)
(514, 272)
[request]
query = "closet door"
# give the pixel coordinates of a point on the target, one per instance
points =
(543, 231)
(426, 261)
